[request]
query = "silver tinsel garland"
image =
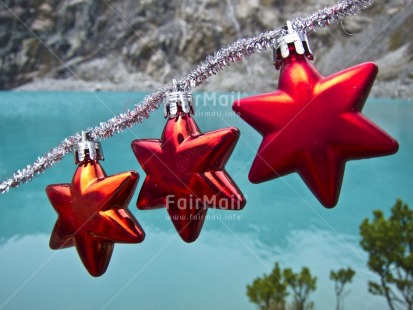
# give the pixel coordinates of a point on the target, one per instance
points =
(210, 66)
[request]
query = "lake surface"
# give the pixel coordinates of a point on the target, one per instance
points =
(282, 220)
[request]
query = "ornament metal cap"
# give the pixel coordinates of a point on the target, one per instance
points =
(87, 148)
(177, 100)
(293, 37)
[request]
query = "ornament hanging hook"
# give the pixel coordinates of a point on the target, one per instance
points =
(293, 37)
(174, 85)
(87, 148)
(178, 100)
(345, 30)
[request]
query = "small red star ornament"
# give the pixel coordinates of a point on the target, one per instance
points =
(313, 125)
(185, 173)
(93, 214)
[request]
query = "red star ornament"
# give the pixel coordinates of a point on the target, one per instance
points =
(93, 214)
(313, 124)
(185, 173)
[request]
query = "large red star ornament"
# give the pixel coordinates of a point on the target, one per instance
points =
(185, 173)
(313, 124)
(93, 214)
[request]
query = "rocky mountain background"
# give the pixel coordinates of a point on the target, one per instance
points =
(139, 45)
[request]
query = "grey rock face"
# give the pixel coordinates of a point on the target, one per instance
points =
(136, 45)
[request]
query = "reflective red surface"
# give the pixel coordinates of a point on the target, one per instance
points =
(185, 173)
(93, 214)
(313, 124)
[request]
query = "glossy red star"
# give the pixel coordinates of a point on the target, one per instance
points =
(93, 214)
(185, 173)
(313, 124)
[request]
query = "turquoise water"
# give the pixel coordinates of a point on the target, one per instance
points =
(281, 222)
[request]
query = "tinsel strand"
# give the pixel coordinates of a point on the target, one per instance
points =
(210, 66)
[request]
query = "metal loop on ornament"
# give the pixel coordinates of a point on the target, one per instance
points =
(293, 37)
(178, 100)
(88, 148)
(344, 29)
